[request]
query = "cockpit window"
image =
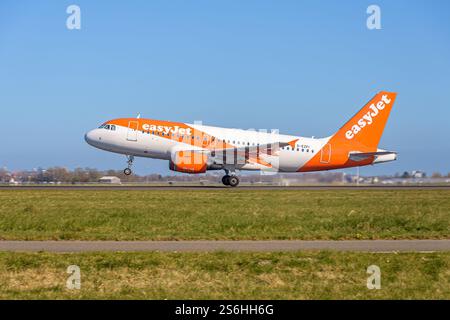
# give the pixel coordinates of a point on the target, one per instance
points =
(108, 127)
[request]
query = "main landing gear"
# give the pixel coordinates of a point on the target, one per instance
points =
(127, 170)
(230, 180)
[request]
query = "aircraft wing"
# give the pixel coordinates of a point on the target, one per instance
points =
(268, 148)
(259, 154)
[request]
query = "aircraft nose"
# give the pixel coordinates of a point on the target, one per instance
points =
(90, 137)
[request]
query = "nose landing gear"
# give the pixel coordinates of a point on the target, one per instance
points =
(127, 170)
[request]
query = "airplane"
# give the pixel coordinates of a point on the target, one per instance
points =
(196, 148)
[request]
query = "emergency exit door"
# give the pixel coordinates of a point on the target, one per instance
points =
(325, 154)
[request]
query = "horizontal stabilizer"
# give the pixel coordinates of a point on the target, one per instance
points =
(379, 156)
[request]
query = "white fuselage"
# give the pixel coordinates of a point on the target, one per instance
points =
(141, 143)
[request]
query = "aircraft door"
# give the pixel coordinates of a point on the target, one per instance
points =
(325, 154)
(132, 131)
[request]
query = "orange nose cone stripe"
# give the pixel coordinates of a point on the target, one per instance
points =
(176, 131)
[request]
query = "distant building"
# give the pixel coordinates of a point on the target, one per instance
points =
(418, 174)
(110, 179)
(13, 182)
(285, 182)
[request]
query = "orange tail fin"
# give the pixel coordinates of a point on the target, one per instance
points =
(366, 127)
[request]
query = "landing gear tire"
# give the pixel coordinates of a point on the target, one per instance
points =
(226, 180)
(128, 171)
(233, 181)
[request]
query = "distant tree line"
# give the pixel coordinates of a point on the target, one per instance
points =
(64, 175)
(90, 175)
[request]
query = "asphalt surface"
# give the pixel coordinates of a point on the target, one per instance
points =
(218, 187)
(238, 246)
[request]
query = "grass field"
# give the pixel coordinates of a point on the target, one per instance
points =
(306, 275)
(223, 214)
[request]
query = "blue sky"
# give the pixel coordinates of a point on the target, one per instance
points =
(304, 67)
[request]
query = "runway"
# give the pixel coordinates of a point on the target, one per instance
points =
(236, 246)
(221, 187)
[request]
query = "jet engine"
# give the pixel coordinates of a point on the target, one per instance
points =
(188, 162)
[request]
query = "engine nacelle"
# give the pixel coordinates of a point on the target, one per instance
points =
(189, 162)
